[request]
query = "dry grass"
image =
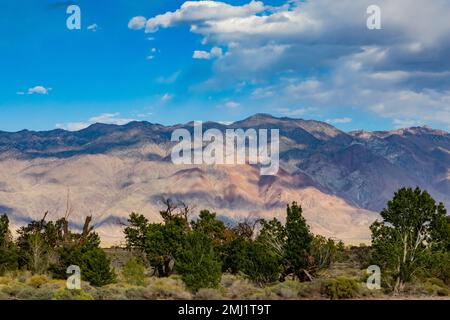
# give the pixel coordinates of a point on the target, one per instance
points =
(23, 285)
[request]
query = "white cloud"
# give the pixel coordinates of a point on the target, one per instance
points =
(169, 79)
(144, 115)
(260, 93)
(36, 90)
(198, 54)
(137, 23)
(401, 72)
(232, 104)
(339, 120)
(107, 118)
(166, 97)
(405, 123)
(215, 52)
(193, 12)
(93, 27)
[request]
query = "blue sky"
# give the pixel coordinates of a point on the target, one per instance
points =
(224, 61)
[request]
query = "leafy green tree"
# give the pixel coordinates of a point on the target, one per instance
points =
(8, 252)
(232, 253)
(94, 264)
(197, 262)
(160, 242)
(208, 224)
(36, 244)
(324, 251)
(298, 242)
(413, 226)
(260, 263)
(273, 235)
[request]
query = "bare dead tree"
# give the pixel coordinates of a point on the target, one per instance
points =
(185, 210)
(246, 228)
(86, 229)
(176, 209)
(65, 220)
(170, 208)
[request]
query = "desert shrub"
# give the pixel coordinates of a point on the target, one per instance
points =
(340, 288)
(167, 288)
(66, 294)
(312, 289)
(3, 296)
(228, 279)
(263, 294)
(138, 294)
(38, 280)
(435, 287)
(134, 272)
(288, 289)
(110, 292)
(31, 293)
(198, 264)
(240, 289)
(208, 294)
(13, 289)
(6, 279)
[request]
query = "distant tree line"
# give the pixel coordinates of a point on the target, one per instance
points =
(51, 247)
(411, 240)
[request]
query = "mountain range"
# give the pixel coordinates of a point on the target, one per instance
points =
(342, 179)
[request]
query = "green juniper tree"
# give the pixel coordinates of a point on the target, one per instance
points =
(95, 266)
(8, 252)
(413, 226)
(197, 263)
(298, 242)
(159, 242)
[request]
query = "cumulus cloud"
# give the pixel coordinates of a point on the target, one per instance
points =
(196, 13)
(215, 52)
(137, 23)
(35, 90)
(107, 118)
(401, 72)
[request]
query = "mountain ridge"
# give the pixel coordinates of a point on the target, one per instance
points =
(343, 178)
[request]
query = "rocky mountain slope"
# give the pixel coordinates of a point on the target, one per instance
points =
(341, 179)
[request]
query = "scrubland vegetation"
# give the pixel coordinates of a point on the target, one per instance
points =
(203, 258)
